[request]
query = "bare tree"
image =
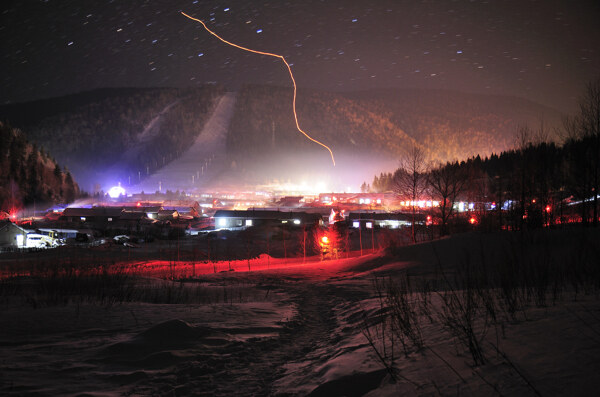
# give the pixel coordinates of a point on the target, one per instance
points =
(446, 182)
(584, 163)
(524, 142)
(410, 181)
(590, 123)
(477, 188)
(577, 164)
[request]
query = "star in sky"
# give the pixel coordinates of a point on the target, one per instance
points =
(543, 51)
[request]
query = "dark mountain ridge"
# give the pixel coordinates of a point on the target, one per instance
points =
(135, 131)
(25, 114)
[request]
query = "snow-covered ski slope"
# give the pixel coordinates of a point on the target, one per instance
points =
(204, 159)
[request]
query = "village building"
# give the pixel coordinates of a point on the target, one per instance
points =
(133, 222)
(368, 220)
(149, 211)
(95, 215)
(361, 199)
(234, 219)
(183, 208)
(12, 235)
(168, 215)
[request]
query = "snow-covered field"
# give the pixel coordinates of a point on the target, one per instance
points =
(308, 329)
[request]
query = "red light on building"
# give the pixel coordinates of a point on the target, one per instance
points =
(472, 221)
(325, 240)
(548, 208)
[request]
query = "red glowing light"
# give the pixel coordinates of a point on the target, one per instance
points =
(139, 204)
(548, 208)
(289, 70)
(325, 240)
(472, 221)
(12, 213)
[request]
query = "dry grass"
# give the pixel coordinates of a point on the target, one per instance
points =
(476, 297)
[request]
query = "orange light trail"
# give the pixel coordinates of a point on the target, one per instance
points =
(289, 70)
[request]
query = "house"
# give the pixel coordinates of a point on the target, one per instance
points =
(168, 215)
(233, 219)
(363, 199)
(184, 208)
(290, 201)
(386, 220)
(12, 235)
(149, 211)
(94, 215)
(133, 221)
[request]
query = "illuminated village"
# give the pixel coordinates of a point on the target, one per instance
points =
(91, 222)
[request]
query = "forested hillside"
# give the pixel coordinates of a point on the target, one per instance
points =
(452, 125)
(263, 121)
(93, 131)
(446, 125)
(28, 174)
(123, 135)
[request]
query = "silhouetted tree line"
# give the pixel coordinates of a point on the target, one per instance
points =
(537, 183)
(29, 174)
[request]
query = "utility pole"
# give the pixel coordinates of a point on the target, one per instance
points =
(360, 233)
(373, 236)
(304, 243)
(273, 133)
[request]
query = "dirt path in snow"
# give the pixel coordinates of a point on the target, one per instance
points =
(254, 366)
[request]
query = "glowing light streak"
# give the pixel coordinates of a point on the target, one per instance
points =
(288, 68)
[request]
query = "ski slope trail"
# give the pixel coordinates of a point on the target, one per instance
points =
(204, 159)
(145, 137)
(151, 130)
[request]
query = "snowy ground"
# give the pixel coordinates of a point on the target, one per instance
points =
(294, 329)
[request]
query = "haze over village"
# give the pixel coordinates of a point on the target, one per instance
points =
(317, 198)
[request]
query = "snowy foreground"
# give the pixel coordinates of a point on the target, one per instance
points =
(299, 329)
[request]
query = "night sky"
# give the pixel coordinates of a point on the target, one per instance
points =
(544, 51)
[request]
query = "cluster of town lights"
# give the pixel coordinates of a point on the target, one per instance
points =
(367, 201)
(420, 204)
